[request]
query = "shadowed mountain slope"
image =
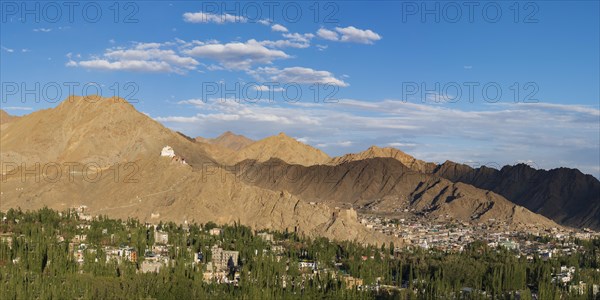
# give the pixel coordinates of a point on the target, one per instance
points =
(364, 182)
(565, 195)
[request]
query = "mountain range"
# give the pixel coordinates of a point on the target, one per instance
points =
(228, 140)
(276, 182)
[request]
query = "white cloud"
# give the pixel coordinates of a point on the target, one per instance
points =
(355, 35)
(264, 22)
(238, 55)
(25, 50)
(177, 119)
(299, 37)
(202, 17)
(143, 57)
(195, 102)
(219, 112)
(284, 44)
(302, 139)
(292, 40)
(335, 144)
(279, 28)
(7, 49)
(439, 98)
(264, 88)
(327, 34)
(16, 108)
(128, 65)
(298, 75)
(146, 54)
(402, 145)
(349, 34)
(566, 108)
(42, 29)
(143, 46)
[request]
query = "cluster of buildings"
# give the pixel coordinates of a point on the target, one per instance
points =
(450, 235)
(158, 256)
(223, 266)
(80, 211)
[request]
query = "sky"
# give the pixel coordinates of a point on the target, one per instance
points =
(479, 83)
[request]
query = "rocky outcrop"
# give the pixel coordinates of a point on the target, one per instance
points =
(564, 195)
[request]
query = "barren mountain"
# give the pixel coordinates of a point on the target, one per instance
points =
(387, 182)
(103, 131)
(282, 147)
(228, 140)
(136, 181)
(374, 152)
(5, 117)
(565, 195)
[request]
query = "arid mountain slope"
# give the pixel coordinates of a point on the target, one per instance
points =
(378, 180)
(158, 189)
(284, 148)
(103, 131)
(228, 140)
(5, 117)
(565, 195)
(111, 133)
(374, 152)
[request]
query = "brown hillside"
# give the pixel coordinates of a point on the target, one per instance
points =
(374, 152)
(232, 141)
(367, 181)
(284, 148)
(5, 117)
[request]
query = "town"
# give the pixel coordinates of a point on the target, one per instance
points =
(236, 256)
(450, 235)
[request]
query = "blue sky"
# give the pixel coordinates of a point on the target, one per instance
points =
(368, 56)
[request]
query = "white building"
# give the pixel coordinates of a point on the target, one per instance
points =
(216, 231)
(161, 237)
(167, 151)
(307, 265)
(220, 257)
(267, 237)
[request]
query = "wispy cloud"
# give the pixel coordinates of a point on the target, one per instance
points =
(327, 34)
(203, 17)
(300, 75)
(349, 34)
(9, 50)
(16, 108)
(143, 57)
(503, 134)
(279, 28)
(238, 55)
